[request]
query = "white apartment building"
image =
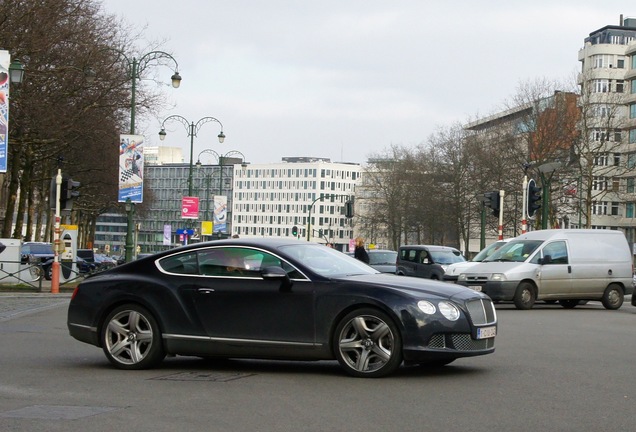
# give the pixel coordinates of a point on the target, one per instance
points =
(269, 200)
(608, 70)
(159, 155)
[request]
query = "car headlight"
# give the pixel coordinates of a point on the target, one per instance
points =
(498, 277)
(449, 311)
(461, 277)
(426, 307)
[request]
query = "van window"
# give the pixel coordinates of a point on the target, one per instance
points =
(557, 251)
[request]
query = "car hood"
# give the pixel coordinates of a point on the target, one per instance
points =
(457, 268)
(488, 267)
(414, 287)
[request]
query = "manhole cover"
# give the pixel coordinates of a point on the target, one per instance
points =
(205, 376)
(52, 412)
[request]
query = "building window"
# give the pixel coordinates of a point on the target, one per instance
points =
(632, 111)
(630, 185)
(629, 210)
(599, 183)
(620, 86)
(599, 208)
(632, 84)
(601, 160)
(632, 136)
(615, 209)
(601, 86)
(620, 62)
(631, 160)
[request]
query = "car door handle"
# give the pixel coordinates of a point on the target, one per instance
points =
(205, 290)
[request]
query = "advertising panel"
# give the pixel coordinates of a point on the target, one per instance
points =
(131, 168)
(220, 213)
(5, 61)
(189, 208)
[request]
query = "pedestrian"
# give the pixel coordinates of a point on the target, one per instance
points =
(360, 252)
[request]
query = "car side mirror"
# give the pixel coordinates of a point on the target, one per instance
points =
(277, 273)
(546, 260)
(425, 261)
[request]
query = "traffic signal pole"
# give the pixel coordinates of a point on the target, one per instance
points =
(501, 204)
(55, 267)
(524, 209)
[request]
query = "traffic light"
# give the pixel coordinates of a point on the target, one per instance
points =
(68, 193)
(491, 199)
(534, 198)
(349, 208)
(295, 231)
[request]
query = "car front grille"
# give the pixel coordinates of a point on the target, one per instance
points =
(460, 342)
(482, 312)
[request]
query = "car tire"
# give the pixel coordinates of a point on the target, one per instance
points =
(367, 343)
(131, 338)
(525, 296)
(613, 297)
(48, 272)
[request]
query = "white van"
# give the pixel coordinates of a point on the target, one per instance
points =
(564, 265)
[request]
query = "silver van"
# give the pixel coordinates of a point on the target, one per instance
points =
(568, 266)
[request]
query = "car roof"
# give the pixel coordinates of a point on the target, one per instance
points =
(430, 247)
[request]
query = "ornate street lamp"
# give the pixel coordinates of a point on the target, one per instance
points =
(136, 67)
(16, 72)
(192, 129)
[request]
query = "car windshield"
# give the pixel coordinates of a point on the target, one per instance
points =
(447, 256)
(326, 261)
(487, 251)
(378, 258)
(515, 251)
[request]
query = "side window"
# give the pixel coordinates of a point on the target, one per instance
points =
(226, 261)
(557, 251)
(240, 262)
(185, 263)
(424, 258)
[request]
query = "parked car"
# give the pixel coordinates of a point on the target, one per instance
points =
(104, 262)
(383, 260)
(38, 254)
(426, 261)
(276, 299)
(453, 270)
(568, 266)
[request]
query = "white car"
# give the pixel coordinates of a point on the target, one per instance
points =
(453, 270)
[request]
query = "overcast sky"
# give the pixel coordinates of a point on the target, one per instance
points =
(347, 79)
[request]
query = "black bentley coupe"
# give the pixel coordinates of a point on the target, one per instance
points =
(277, 299)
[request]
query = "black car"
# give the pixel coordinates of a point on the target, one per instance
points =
(38, 254)
(277, 299)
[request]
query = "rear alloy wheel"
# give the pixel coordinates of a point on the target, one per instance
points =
(525, 296)
(368, 344)
(613, 297)
(131, 338)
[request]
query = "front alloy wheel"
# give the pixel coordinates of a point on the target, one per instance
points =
(131, 338)
(368, 344)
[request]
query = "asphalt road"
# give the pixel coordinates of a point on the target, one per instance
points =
(553, 370)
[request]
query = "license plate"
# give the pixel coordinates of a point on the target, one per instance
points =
(475, 287)
(486, 332)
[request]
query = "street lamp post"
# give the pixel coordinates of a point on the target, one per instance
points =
(192, 129)
(136, 67)
(220, 158)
